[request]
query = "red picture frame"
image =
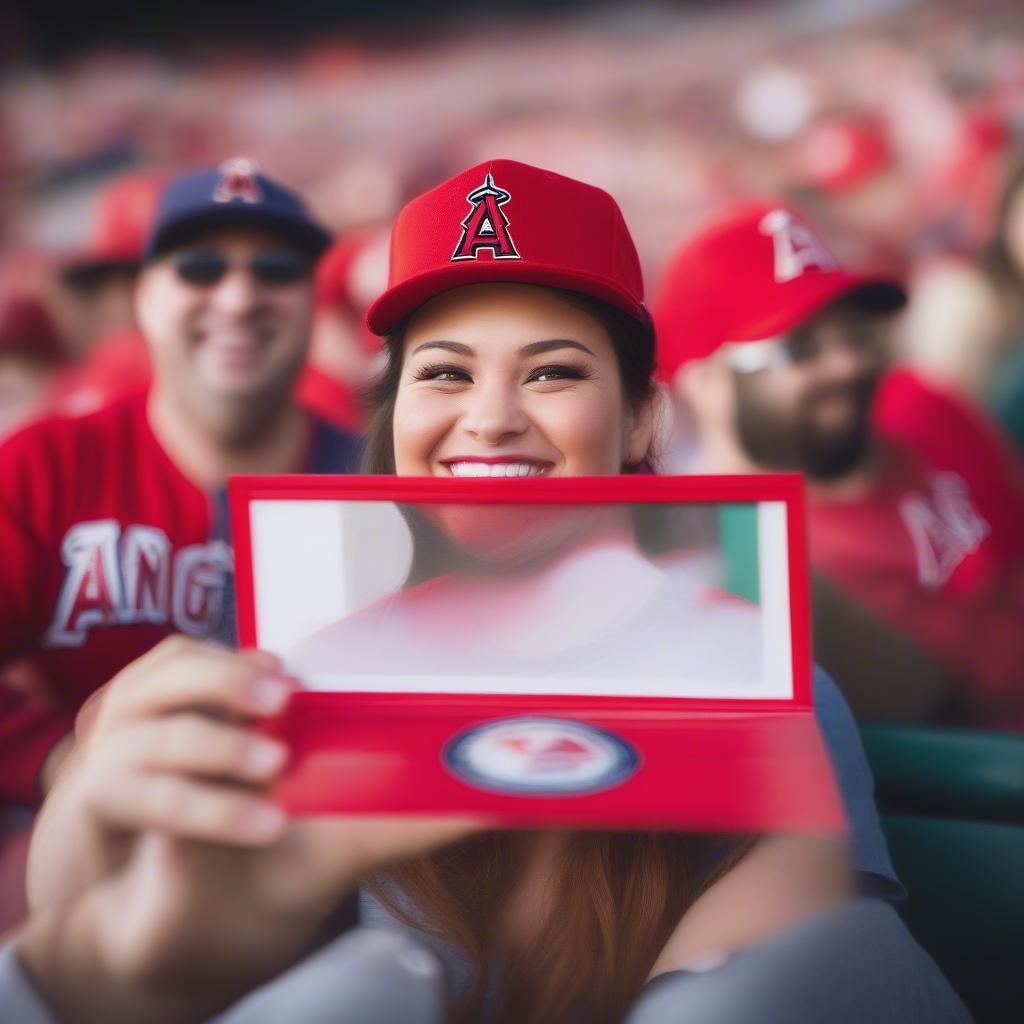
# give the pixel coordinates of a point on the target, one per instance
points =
(420, 721)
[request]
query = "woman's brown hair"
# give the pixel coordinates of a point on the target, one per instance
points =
(614, 897)
(611, 904)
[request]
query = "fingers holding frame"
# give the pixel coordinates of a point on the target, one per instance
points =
(167, 748)
(192, 744)
(181, 674)
(187, 808)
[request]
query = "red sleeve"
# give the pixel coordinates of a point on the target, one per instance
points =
(946, 431)
(27, 735)
(24, 463)
(943, 427)
(28, 728)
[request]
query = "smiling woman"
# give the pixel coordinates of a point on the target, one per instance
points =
(515, 348)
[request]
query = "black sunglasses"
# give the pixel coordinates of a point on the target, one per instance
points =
(206, 267)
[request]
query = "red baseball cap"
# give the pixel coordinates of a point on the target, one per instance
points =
(507, 221)
(349, 273)
(353, 270)
(126, 208)
(754, 273)
(26, 327)
(840, 153)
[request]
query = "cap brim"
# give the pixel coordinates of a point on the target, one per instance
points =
(306, 235)
(88, 270)
(391, 308)
(878, 295)
(875, 294)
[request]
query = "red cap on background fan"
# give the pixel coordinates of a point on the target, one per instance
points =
(507, 221)
(347, 261)
(754, 273)
(840, 153)
(350, 274)
(126, 208)
(26, 327)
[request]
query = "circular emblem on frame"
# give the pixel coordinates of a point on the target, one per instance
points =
(540, 756)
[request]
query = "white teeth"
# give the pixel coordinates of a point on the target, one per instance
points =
(506, 469)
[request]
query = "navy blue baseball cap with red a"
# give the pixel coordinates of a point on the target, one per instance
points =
(235, 194)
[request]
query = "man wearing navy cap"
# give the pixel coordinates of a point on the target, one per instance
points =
(113, 525)
(225, 302)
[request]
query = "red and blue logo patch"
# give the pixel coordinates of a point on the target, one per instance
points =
(540, 756)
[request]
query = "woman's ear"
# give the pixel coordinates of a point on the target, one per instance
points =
(643, 426)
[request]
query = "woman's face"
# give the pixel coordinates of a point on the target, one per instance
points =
(512, 380)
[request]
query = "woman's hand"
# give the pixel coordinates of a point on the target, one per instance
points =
(167, 745)
(162, 850)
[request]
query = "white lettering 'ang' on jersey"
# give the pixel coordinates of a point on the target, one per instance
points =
(133, 576)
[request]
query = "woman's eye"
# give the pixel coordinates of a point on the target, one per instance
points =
(545, 374)
(442, 374)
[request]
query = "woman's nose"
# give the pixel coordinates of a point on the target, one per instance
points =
(494, 413)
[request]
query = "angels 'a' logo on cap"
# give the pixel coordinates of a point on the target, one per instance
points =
(486, 226)
(796, 247)
(238, 182)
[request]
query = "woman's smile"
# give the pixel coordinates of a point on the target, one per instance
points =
(495, 466)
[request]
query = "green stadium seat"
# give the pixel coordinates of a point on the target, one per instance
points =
(952, 804)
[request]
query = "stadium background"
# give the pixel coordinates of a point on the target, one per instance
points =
(676, 109)
(672, 108)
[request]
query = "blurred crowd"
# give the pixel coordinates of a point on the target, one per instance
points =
(901, 125)
(883, 149)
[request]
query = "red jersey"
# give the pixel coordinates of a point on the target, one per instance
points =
(935, 547)
(117, 366)
(106, 548)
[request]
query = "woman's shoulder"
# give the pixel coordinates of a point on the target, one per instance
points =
(868, 848)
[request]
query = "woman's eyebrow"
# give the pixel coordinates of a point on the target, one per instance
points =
(535, 348)
(450, 346)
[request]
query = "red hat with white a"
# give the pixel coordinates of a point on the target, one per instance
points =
(754, 274)
(504, 221)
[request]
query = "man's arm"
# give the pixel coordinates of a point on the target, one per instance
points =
(882, 672)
